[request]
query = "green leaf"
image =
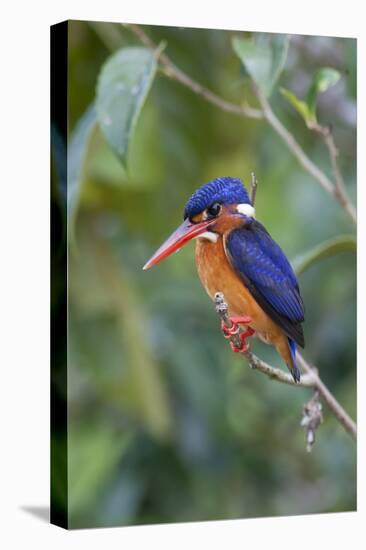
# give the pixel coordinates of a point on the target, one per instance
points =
(343, 243)
(123, 84)
(146, 164)
(280, 45)
(263, 57)
(300, 106)
(322, 80)
(77, 152)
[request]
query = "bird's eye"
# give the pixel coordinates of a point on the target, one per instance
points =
(213, 210)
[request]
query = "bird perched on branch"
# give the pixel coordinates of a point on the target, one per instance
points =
(236, 255)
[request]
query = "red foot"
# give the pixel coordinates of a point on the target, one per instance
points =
(244, 345)
(234, 329)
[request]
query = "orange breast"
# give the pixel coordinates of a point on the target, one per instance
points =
(217, 275)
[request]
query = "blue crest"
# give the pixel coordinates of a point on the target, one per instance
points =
(224, 190)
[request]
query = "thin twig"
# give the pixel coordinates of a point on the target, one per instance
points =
(175, 73)
(253, 191)
(337, 189)
(310, 379)
(340, 188)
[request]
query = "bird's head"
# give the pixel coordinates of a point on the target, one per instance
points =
(217, 206)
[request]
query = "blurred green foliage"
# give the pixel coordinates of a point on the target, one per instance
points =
(166, 424)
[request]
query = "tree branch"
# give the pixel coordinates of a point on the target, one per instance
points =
(308, 380)
(338, 411)
(172, 71)
(340, 188)
(337, 189)
(254, 361)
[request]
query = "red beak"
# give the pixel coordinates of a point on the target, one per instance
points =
(182, 235)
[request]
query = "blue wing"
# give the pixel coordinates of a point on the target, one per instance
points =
(268, 275)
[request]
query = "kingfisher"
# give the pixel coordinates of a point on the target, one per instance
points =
(236, 255)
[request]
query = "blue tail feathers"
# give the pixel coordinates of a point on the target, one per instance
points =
(295, 371)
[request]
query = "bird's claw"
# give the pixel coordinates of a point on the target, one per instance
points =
(244, 347)
(244, 344)
(235, 322)
(229, 331)
(234, 329)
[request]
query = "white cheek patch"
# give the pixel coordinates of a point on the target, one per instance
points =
(246, 209)
(209, 236)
